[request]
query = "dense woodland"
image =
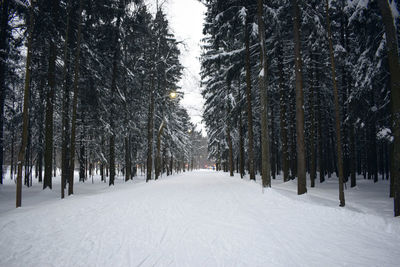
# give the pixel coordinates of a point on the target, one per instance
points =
(291, 87)
(304, 88)
(91, 85)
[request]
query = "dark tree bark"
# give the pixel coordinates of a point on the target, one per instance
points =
(158, 155)
(75, 104)
(313, 169)
(3, 70)
(263, 86)
(25, 118)
(320, 136)
(301, 155)
(229, 139)
(65, 110)
(48, 151)
(82, 150)
(228, 131)
(337, 115)
(150, 126)
(241, 141)
(249, 107)
(273, 145)
(392, 47)
(12, 155)
(113, 90)
(28, 151)
(345, 106)
(283, 115)
(127, 159)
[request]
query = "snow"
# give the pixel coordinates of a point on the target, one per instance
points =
(200, 218)
(261, 74)
(385, 133)
(243, 15)
(395, 12)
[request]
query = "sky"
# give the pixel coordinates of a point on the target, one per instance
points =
(186, 23)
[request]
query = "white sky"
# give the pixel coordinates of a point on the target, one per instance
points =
(186, 23)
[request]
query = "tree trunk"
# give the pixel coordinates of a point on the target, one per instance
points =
(12, 155)
(158, 155)
(353, 182)
(113, 89)
(25, 117)
(319, 125)
(48, 152)
(228, 130)
(263, 86)
(241, 141)
(337, 115)
(249, 106)
(273, 144)
(75, 104)
(171, 164)
(150, 126)
(301, 157)
(82, 150)
(112, 160)
(283, 116)
(28, 152)
(313, 169)
(3, 71)
(229, 139)
(394, 68)
(127, 159)
(65, 111)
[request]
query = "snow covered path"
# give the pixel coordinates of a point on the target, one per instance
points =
(200, 218)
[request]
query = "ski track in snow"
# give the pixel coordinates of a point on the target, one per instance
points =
(199, 218)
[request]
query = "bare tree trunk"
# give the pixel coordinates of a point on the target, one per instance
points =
(228, 131)
(283, 116)
(127, 159)
(241, 141)
(75, 104)
(273, 144)
(394, 68)
(48, 152)
(337, 115)
(28, 152)
(12, 155)
(171, 164)
(25, 118)
(313, 169)
(113, 89)
(150, 126)
(158, 156)
(301, 155)
(3, 70)
(249, 107)
(263, 86)
(65, 110)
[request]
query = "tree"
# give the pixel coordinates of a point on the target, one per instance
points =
(337, 116)
(263, 80)
(392, 47)
(21, 154)
(75, 104)
(301, 161)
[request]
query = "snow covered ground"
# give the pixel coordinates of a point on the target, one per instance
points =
(200, 218)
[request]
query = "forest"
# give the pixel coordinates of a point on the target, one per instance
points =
(304, 89)
(92, 85)
(298, 88)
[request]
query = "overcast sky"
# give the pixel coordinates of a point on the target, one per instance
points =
(186, 23)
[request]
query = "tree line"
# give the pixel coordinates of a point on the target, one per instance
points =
(303, 87)
(90, 83)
